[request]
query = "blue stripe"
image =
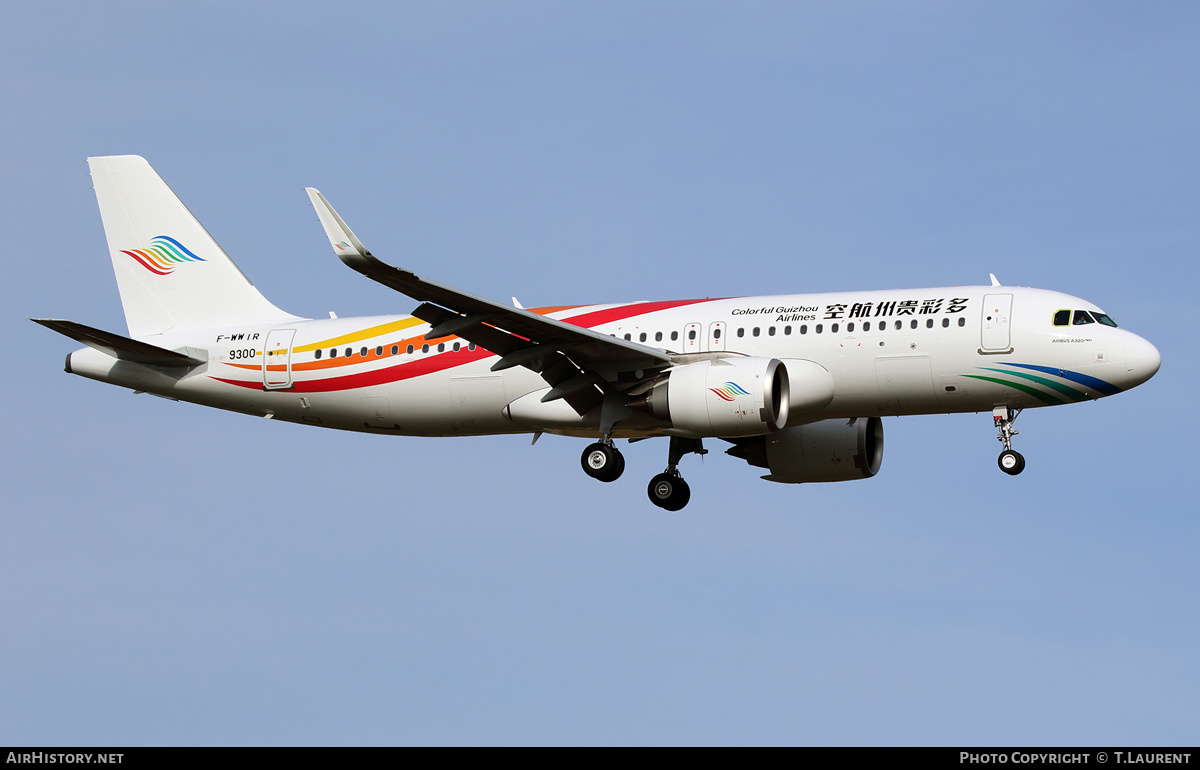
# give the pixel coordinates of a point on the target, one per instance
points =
(1107, 388)
(180, 245)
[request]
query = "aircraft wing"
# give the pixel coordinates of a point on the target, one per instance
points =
(574, 360)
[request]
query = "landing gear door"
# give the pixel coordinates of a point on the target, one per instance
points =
(692, 341)
(277, 359)
(997, 312)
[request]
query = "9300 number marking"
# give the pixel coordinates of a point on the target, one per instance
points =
(235, 355)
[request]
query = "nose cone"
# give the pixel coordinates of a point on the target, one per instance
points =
(1141, 360)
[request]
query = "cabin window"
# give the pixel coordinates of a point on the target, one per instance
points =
(962, 322)
(717, 333)
(899, 325)
(379, 350)
(658, 336)
(929, 323)
(741, 332)
(1062, 318)
(804, 328)
(850, 327)
(441, 347)
(771, 332)
(787, 330)
(333, 352)
(691, 334)
(349, 352)
(756, 331)
(674, 336)
(471, 346)
(395, 350)
(945, 322)
(914, 323)
(409, 350)
(362, 352)
(628, 337)
(317, 353)
(820, 328)
(1082, 317)
(457, 345)
(866, 326)
(833, 329)
(425, 348)
(642, 337)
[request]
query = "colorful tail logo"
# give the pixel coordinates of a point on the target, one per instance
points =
(162, 256)
(731, 391)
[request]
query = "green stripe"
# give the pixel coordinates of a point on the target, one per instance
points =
(166, 256)
(173, 252)
(1066, 390)
(1045, 397)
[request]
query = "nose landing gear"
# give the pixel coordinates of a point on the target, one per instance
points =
(1010, 461)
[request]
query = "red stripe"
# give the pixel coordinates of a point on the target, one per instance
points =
(599, 317)
(146, 263)
(443, 361)
(421, 366)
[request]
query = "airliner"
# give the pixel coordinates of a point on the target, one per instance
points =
(796, 384)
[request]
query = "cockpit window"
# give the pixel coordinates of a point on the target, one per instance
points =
(1082, 317)
(1104, 319)
(1062, 318)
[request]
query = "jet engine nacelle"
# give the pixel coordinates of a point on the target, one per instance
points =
(723, 397)
(830, 450)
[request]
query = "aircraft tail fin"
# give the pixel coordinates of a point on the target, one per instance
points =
(171, 274)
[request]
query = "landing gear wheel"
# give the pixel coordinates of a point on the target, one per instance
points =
(669, 492)
(1011, 462)
(603, 462)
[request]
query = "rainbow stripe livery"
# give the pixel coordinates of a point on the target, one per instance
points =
(163, 255)
(730, 391)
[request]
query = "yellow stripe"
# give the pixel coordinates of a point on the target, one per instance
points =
(374, 331)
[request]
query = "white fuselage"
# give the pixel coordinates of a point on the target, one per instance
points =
(921, 351)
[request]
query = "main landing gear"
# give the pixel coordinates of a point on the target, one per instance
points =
(667, 490)
(1010, 461)
(603, 461)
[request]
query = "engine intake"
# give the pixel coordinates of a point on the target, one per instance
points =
(829, 450)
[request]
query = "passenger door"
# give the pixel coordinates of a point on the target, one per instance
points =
(995, 337)
(277, 359)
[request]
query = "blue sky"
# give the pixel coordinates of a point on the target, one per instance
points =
(176, 575)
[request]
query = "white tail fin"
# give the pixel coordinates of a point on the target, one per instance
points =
(171, 273)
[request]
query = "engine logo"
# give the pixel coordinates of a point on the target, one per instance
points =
(731, 391)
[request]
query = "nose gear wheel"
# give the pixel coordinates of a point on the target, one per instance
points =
(1010, 461)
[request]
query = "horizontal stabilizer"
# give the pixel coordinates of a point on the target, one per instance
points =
(123, 348)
